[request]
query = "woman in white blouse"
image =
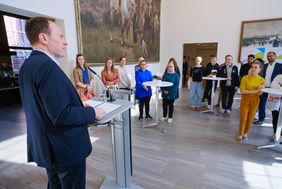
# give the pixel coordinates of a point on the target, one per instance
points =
(125, 82)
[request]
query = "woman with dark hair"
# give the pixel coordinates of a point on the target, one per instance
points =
(176, 68)
(110, 75)
(83, 79)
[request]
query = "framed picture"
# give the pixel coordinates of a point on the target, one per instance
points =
(259, 37)
(115, 28)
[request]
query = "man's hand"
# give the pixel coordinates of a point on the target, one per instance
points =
(165, 92)
(100, 113)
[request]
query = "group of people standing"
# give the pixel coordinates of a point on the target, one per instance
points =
(119, 78)
(228, 87)
(252, 78)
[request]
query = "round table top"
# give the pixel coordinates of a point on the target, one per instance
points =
(273, 91)
(214, 78)
(158, 83)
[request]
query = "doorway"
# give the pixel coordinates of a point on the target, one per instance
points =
(191, 51)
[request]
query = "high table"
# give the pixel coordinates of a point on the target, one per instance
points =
(279, 124)
(157, 84)
(213, 79)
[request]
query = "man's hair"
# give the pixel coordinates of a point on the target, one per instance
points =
(251, 56)
(274, 53)
(212, 56)
(36, 25)
(228, 56)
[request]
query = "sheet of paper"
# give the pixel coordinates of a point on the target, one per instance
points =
(92, 103)
(109, 107)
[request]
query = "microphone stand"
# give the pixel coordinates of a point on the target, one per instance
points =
(110, 94)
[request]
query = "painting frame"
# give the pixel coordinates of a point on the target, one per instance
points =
(127, 48)
(259, 37)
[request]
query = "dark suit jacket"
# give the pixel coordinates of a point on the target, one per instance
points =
(276, 71)
(234, 75)
(57, 132)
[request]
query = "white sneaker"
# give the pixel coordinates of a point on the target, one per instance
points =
(223, 111)
(228, 111)
(163, 119)
(169, 120)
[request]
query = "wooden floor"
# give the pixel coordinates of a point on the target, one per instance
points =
(198, 152)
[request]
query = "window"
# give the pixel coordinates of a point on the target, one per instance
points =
(14, 48)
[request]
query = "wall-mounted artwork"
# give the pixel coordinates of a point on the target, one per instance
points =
(259, 37)
(113, 28)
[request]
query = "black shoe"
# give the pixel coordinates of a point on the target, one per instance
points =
(140, 118)
(149, 117)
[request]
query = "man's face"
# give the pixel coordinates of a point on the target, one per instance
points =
(250, 60)
(56, 43)
(228, 60)
(213, 60)
(271, 58)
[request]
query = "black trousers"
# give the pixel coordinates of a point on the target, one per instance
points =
(228, 93)
(67, 178)
(144, 101)
(275, 115)
(168, 104)
(208, 91)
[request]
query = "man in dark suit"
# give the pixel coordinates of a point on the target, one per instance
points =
(229, 86)
(57, 134)
(270, 71)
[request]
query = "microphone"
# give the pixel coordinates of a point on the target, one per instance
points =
(110, 94)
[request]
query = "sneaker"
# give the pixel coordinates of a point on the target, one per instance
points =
(245, 137)
(198, 108)
(228, 111)
(239, 138)
(258, 122)
(149, 117)
(169, 120)
(223, 111)
(163, 119)
(140, 118)
(209, 106)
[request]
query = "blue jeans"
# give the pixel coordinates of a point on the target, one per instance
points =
(196, 94)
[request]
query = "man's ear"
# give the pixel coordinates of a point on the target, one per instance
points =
(43, 38)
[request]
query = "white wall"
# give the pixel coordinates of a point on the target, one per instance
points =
(193, 21)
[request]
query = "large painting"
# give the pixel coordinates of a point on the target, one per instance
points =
(114, 28)
(260, 37)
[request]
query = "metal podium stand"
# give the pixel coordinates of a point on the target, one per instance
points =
(121, 147)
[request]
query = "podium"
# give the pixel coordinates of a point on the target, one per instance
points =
(121, 147)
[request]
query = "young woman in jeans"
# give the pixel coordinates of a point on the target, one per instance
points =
(196, 89)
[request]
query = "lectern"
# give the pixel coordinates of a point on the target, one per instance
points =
(121, 146)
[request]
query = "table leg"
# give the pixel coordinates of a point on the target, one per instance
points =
(157, 122)
(212, 101)
(278, 131)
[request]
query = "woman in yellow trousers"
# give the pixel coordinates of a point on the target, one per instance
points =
(250, 88)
